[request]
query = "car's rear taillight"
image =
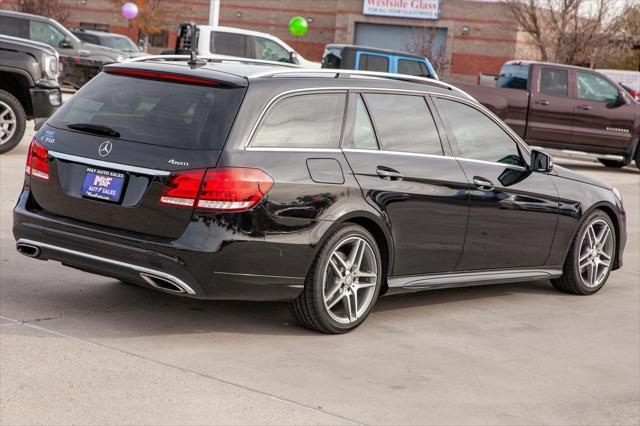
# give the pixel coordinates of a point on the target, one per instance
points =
(230, 189)
(233, 189)
(37, 161)
(181, 188)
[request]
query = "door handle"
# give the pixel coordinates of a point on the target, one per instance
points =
(387, 173)
(543, 102)
(483, 184)
(584, 107)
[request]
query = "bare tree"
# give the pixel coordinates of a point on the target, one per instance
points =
(55, 9)
(152, 15)
(570, 31)
(424, 42)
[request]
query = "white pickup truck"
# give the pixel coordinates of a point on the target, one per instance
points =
(237, 42)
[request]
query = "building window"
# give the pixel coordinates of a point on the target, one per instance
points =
(94, 26)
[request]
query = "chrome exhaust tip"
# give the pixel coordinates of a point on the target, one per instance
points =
(162, 283)
(28, 250)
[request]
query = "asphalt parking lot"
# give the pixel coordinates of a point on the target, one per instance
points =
(82, 349)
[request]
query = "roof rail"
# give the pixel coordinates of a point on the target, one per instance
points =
(214, 59)
(339, 73)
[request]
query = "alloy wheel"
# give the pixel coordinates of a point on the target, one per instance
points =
(8, 124)
(350, 279)
(596, 253)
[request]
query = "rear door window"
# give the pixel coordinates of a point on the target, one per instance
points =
(363, 135)
(373, 63)
(303, 121)
(12, 26)
(554, 82)
(410, 67)
(229, 44)
(404, 123)
(155, 112)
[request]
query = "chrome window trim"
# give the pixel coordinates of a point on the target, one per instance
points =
(136, 268)
(405, 153)
(292, 149)
(493, 163)
(310, 90)
(108, 164)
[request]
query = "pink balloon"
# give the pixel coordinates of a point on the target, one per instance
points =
(129, 10)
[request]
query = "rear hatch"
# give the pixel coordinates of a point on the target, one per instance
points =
(112, 146)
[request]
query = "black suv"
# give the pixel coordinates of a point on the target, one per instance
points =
(323, 187)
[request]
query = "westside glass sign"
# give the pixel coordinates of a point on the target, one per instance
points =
(418, 9)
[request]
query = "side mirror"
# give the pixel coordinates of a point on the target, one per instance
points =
(293, 58)
(541, 162)
(66, 43)
(619, 101)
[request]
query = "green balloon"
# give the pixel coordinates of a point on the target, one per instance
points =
(298, 26)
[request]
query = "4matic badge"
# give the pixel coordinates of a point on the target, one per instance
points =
(178, 163)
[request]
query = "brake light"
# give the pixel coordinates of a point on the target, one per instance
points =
(181, 188)
(230, 189)
(162, 76)
(37, 161)
(233, 189)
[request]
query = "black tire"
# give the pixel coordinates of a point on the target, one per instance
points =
(309, 308)
(571, 280)
(638, 157)
(614, 164)
(17, 111)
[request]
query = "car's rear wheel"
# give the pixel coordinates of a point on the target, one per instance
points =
(590, 257)
(342, 284)
(614, 164)
(13, 121)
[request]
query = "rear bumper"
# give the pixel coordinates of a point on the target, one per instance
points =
(191, 272)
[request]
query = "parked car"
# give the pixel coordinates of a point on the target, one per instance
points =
(567, 108)
(81, 61)
(114, 41)
(28, 87)
(633, 93)
(346, 56)
(236, 42)
(272, 183)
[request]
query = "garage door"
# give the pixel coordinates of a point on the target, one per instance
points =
(398, 37)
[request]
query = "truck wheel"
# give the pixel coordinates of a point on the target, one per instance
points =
(614, 164)
(13, 121)
(638, 157)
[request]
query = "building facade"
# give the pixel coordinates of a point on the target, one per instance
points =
(462, 37)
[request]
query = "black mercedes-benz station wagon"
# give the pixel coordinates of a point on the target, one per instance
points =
(327, 188)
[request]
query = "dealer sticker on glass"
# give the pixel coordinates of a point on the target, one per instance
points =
(103, 184)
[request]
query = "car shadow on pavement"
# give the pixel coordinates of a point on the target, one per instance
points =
(113, 310)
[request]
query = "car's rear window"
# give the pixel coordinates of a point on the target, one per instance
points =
(155, 112)
(514, 76)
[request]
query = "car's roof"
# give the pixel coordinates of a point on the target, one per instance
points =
(372, 49)
(24, 15)
(237, 69)
(97, 33)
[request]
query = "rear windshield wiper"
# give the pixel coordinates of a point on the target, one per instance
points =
(97, 129)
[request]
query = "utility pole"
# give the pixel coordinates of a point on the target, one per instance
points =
(214, 12)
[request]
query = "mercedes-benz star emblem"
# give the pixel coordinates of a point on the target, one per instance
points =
(105, 148)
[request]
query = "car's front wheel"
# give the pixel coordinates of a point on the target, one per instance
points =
(590, 257)
(342, 284)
